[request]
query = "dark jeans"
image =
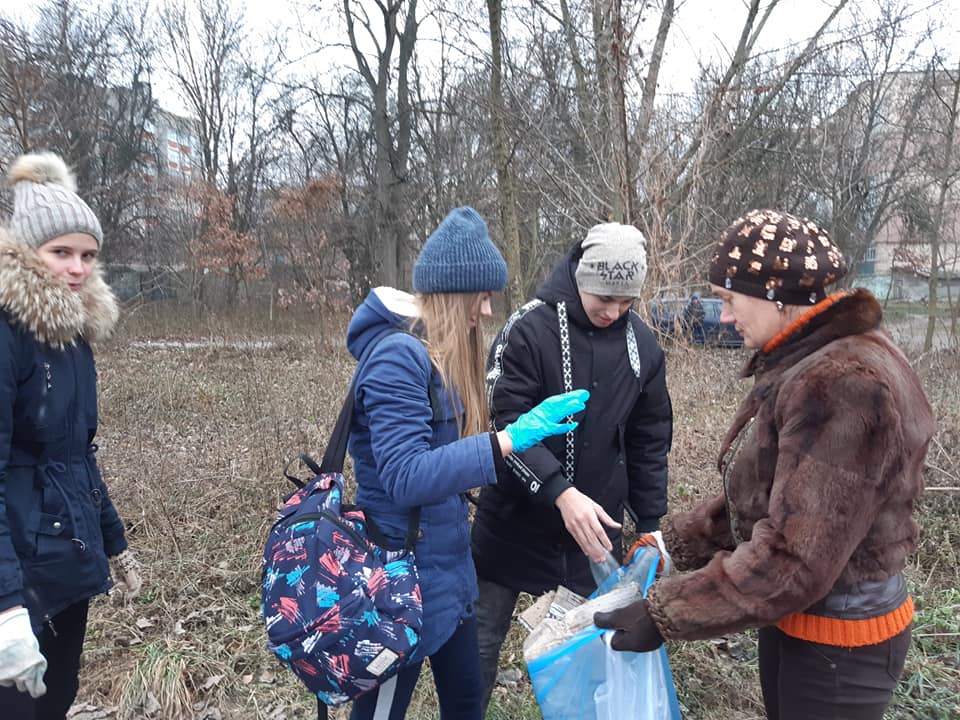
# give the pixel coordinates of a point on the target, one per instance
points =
(494, 612)
(61, 646)
(808, 681)
(456, 676)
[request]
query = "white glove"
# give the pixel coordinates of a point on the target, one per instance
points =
(21, 663)
(126, 574)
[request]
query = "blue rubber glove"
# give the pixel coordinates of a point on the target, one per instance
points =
(545, 419)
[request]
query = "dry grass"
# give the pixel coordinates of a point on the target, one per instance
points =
(195, 427)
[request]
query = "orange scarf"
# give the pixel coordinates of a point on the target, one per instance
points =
(804, 320)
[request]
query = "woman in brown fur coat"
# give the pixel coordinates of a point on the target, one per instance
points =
(820, 470)
(60, 535)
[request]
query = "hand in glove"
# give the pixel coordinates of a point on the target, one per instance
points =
(655, 540)
(21, 663)
(635, 629)
(126, 574)
(545, 419)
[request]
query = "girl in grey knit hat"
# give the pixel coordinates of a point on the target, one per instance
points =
(60, 536)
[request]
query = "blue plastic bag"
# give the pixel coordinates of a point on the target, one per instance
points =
(584, 679)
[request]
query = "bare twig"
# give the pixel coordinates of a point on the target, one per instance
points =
(920, 635)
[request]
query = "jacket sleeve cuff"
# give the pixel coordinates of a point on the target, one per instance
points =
(499, 464)
(646, 524)
(659, 617)
(552, 489)
(11, 600)
(114, 546)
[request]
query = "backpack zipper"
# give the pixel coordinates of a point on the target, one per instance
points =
(323, 514)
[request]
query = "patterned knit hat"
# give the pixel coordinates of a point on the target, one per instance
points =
(45, 202)
(773, 255)
(614, 261)
(459, 257)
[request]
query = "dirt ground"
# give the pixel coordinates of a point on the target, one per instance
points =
(195, 429)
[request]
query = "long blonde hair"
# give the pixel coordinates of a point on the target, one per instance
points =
(456, 350)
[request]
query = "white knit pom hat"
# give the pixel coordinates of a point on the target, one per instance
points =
(45, 202)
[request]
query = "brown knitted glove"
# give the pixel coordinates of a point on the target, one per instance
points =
(126, 574)
(635, 629)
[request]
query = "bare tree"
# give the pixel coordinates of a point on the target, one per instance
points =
(945, 87)
(58, 93)
(505, 180)
(205, 59)
(387, 77)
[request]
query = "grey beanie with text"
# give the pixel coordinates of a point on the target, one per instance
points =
(45, 202)
(614, 261)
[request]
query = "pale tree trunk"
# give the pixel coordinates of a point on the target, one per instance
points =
(653, 74)
(505, 184)
(603, 45)
(944, 182)
(391, 132)
(585, 113)
(623, 194)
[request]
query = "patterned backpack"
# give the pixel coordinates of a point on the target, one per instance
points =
(342, 610)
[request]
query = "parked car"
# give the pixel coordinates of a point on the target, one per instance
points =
(695, 318)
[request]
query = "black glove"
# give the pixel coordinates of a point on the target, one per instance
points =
(635, 629)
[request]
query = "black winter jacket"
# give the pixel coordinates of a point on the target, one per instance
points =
(618, 452)
(57, 523)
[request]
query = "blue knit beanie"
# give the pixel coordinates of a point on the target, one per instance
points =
(459, 257)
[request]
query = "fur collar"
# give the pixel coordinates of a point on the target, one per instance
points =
(855, 313)
(48, 309)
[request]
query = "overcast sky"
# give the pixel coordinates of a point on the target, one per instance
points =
(703, 30)
(711, 28)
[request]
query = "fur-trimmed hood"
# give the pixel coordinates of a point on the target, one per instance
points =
(51, 311)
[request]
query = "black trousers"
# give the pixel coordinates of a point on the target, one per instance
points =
(808, 681)
(61, 645)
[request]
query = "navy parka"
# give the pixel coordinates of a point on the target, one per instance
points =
(57, 523)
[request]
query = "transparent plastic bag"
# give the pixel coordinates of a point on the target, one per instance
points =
(602, 570)
(636, 685)
(584, 679)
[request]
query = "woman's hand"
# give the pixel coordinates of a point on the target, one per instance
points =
(635, 629)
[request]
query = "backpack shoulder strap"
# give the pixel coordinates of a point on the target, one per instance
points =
(336, 451)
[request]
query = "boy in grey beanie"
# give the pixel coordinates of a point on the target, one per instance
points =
(614, 261)
(559, 504)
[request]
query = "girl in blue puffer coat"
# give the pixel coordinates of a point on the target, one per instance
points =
(409, 450)
(60, 535)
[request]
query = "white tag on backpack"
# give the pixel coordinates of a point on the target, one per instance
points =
(382, 662)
